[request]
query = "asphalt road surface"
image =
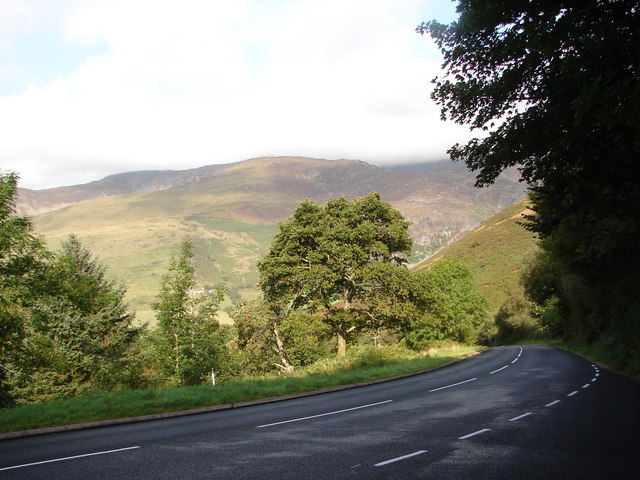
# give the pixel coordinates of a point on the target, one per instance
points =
(532, 412)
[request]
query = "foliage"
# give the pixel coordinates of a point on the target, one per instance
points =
(79, 337)
(131, 403)
(555, 85)
(578, 309)
(326, 258)
(306, 338)
(254, 348)
(494, 252)
(516, 321)
(188, 341)
(65, 328)
(449, 305)
(22, 260)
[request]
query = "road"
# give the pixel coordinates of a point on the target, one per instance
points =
(527, 412)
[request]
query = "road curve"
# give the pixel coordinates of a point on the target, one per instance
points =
(526, 412)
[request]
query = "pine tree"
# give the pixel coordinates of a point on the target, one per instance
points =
(80, 336)
(22, 259)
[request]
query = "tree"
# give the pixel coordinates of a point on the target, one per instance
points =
(306, 337)
(449, 306)
(22, 259)
(80, 335)
(555, 86)
(517, 321)
(188, 341)
(259, 338)
(327, 258)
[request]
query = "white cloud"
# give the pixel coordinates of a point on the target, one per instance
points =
(187, 83)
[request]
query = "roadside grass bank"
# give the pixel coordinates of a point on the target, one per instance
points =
(599, 352)
(362, 364)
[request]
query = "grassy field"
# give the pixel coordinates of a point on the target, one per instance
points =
(362, 364)
(138, 252)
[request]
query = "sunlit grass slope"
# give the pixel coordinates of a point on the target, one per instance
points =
(233, 215)
(135, 235)
(495, 252)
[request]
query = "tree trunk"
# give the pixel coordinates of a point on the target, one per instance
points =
(176, 349)
(342, 345)
(342, 341)
(279, 348)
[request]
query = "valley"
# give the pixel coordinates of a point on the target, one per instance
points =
(133, 221)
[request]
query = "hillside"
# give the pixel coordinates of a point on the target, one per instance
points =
(495, 251)
(33, 202)
(232, 212)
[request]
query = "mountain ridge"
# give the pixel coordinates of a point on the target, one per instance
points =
(232, 212)
(34, 202)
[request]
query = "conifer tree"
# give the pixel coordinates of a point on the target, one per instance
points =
(22, 259)
(80, 335)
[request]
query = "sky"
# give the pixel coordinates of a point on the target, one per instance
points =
(89, 88)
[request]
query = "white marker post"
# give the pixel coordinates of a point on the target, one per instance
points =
(213, 378)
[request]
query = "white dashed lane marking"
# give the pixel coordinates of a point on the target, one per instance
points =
(478, 432)
(397, 459)
(496, 371)
(453, 385)
(323, 414)
(514, 419)
(75, 457)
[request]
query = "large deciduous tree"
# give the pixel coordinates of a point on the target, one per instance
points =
(331, 258)
(556, 87)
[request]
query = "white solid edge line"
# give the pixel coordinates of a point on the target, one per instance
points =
(572, 393)
(496, 371)
(69, 458)
(550, 404)
(323, 414)
(515, 360)
(474, 434)
(520, 416)
(397, 459)
(453, 385)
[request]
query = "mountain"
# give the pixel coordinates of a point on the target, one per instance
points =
(495, 252)
(133, 221)
(33, 202)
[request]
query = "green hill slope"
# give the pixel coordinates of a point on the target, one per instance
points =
(494, 251)
(233, 213)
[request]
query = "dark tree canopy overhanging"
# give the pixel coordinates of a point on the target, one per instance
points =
(557, 87)
(553, 87)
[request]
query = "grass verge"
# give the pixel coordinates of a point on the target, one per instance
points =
(603, 354)
(363, 364)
